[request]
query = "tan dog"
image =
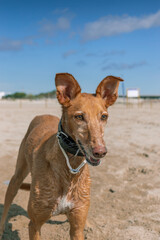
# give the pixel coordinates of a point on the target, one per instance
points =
(56, 187)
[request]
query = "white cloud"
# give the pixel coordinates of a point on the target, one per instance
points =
(110, 25)
(10, 45)
(69, 53)
(123, 66)
(114, 53)
(106, 54)
(60, 11)
(15, 45)
(63, 23)
(81, 63)
(49, 27)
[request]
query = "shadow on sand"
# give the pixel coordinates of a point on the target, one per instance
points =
(14, 211)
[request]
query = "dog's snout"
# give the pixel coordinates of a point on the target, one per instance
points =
(99, 151)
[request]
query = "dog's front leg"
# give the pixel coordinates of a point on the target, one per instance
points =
(77, 219)
(34, 231)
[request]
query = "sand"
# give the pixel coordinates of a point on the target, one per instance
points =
(125, 192)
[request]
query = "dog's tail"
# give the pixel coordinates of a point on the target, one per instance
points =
(25, 186)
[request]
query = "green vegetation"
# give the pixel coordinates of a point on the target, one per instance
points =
(146, 97)
(22, 95)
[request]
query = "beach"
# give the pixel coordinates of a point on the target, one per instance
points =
(125, 189)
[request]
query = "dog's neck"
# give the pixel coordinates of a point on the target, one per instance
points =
(70, 149)
(67, 142)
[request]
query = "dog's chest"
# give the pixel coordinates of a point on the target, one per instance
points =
(63, 206)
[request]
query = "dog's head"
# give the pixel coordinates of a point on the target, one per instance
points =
(85, 115)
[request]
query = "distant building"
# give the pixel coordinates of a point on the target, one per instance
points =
(2, 94)
(133, 93)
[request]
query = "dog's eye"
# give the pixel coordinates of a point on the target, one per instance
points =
(104, 117)
(79, 117)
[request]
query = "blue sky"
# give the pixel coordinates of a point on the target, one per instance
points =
(89, 39)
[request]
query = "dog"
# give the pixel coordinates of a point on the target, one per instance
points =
(57, 154)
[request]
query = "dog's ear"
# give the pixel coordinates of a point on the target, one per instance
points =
(67, 88)
(108, 89)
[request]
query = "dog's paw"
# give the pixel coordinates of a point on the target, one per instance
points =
(88, 227)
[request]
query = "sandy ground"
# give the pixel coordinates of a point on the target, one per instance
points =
(125, 193)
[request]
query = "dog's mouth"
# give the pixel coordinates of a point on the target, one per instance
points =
(92, 161)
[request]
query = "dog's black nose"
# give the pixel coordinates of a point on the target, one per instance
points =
(99, 151)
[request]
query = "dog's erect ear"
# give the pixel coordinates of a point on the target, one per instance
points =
(67, 88)
(108, 89)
